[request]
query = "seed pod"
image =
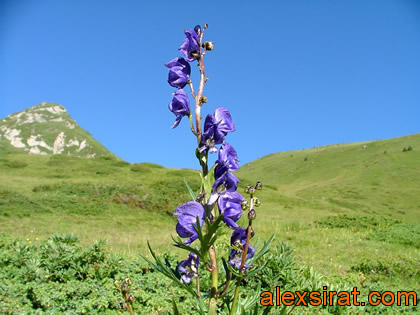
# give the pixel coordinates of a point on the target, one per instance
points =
(128, 280)
(258, 185)
(257, 202)
(131, 298)
(252, 214)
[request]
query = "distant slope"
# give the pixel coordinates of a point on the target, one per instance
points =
(374, 177)
(47, 129)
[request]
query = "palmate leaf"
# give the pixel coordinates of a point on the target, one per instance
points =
(250, 301)
(168, 271)
(180, 244)
(262, 252)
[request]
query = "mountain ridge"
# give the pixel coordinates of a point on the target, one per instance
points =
(46, 129)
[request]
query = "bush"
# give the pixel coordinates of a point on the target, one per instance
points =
(16, 164)
(355, 222)
(404, 234)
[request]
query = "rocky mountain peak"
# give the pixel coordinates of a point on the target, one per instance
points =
(45, 129)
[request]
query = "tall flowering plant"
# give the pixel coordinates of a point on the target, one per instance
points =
(218, 205)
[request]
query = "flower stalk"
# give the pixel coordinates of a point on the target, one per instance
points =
(218, 201)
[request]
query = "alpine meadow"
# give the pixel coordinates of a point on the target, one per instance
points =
(75, 220)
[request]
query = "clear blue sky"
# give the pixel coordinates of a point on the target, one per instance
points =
(294, 74)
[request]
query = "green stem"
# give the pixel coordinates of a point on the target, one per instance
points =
(244, 253)
(214, 281)
(235, 297)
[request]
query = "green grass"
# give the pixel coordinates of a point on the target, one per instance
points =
(346, 209)
(347, 203)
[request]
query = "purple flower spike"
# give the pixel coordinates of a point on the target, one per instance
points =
(229, 204)
(190, 46)
(238, 240)
(180, 106)
(228, 156)
(189, 268)
(179, 72)
(187, 218)
(216, 128)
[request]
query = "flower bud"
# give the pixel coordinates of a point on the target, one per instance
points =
(123, 306)
(131, 298)
(247, 188)
(124, 287)
(257, 202)
(250, 189)
(244, 205)
(252, 214)
(208, 45)
(117, 283)
(203, 100)
(128, 280)
(243, 271)
(258, 185)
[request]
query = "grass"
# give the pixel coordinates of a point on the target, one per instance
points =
(346, 209)
(347, 203)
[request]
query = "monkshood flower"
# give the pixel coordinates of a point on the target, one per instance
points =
(229, 204)
(187, 219)
(189, 268)
(180, 106)
(179, 72)
(238, 240)
(228, 156)
(224, 179)
(216, 128)
(190, 47)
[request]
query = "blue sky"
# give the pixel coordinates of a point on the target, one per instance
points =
(294, 74)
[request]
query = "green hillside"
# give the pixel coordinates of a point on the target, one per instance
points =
(348, 210)
(46, 129)
(374, 178)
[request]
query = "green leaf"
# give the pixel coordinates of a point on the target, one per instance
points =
(180, 244)
(193, 196)
(208, 181)
(167, 271)
(174, 307)
(262, 252)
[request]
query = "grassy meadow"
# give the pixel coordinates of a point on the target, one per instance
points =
(349, 211)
